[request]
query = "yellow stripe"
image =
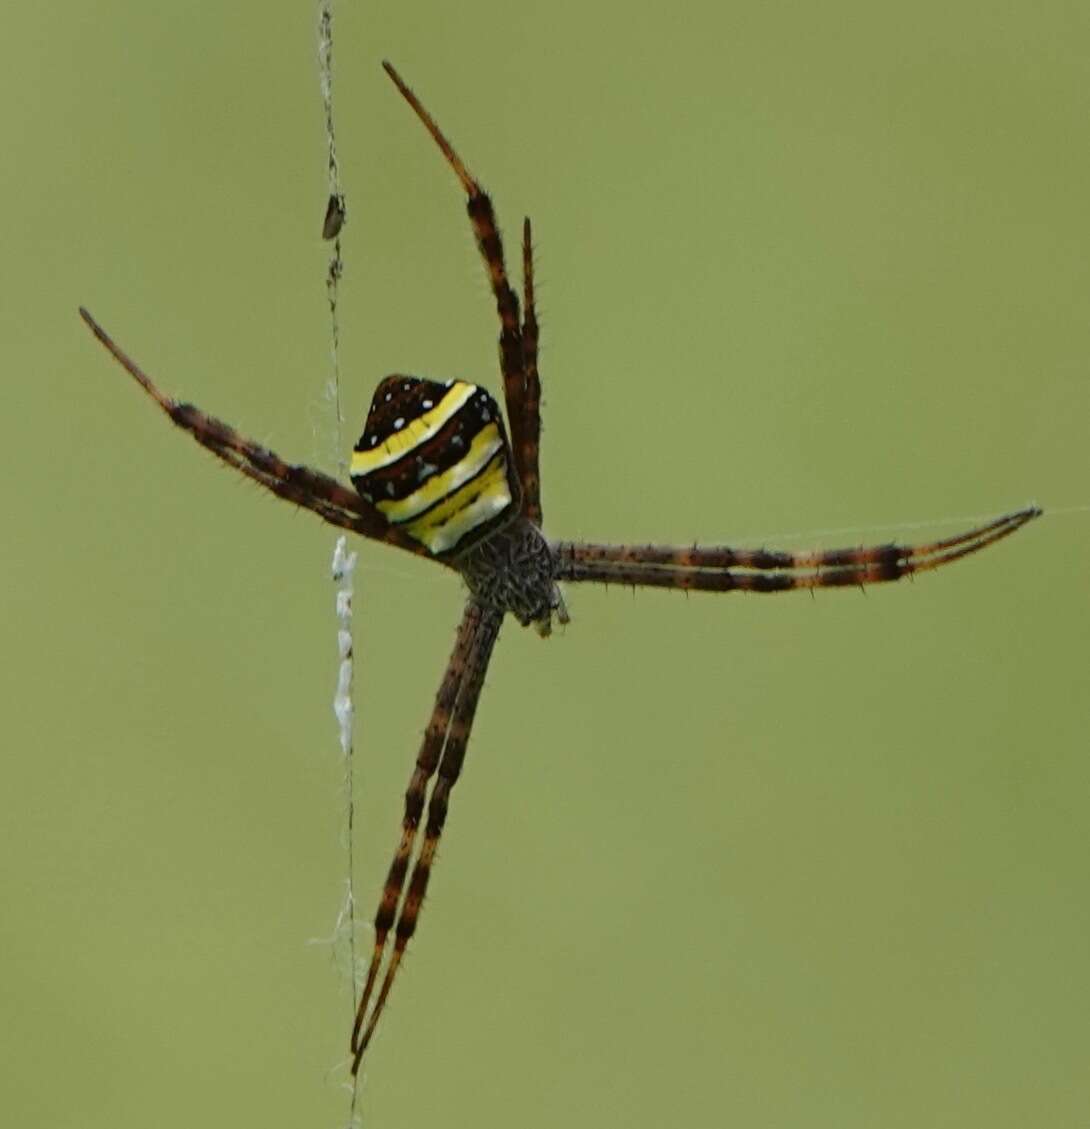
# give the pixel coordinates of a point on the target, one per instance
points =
(485, 444)
(477, 502)
(417, 431)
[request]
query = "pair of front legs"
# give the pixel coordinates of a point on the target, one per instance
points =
(518, 342)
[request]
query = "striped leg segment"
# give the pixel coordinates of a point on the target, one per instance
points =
(482, 625)
(300, 485)
(427, 761)
(722, 569)
(483, 218)
(531, 438)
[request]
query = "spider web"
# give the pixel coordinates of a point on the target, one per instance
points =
(817, 536)
(343, 562)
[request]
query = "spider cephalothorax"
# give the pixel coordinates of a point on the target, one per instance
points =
(514, 569)
(437, 476)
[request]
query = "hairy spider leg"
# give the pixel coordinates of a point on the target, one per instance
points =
(486, 631)
(427, 761)
(301, 485)
(482, 216)
(716, 569)
(531, 439)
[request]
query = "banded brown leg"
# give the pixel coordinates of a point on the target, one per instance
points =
(483, 218)
(300, 485)
(427, 760)
(531, 440)
(722, 569)
(482, 626)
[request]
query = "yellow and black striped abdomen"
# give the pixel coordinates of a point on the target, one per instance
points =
(433, 458)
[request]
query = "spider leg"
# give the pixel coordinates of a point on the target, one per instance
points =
(300, 485)
(483, 218)
(531, 439)
(427, 761)
(485, 627)
(722, 569)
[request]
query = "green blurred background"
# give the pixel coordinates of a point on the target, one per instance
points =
(765, 863)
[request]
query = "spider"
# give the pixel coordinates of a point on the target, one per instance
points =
(437, 475)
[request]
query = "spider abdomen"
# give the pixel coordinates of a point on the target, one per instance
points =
(433, 458)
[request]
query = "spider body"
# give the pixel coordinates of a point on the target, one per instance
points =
(437, 475)
(434, 459)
